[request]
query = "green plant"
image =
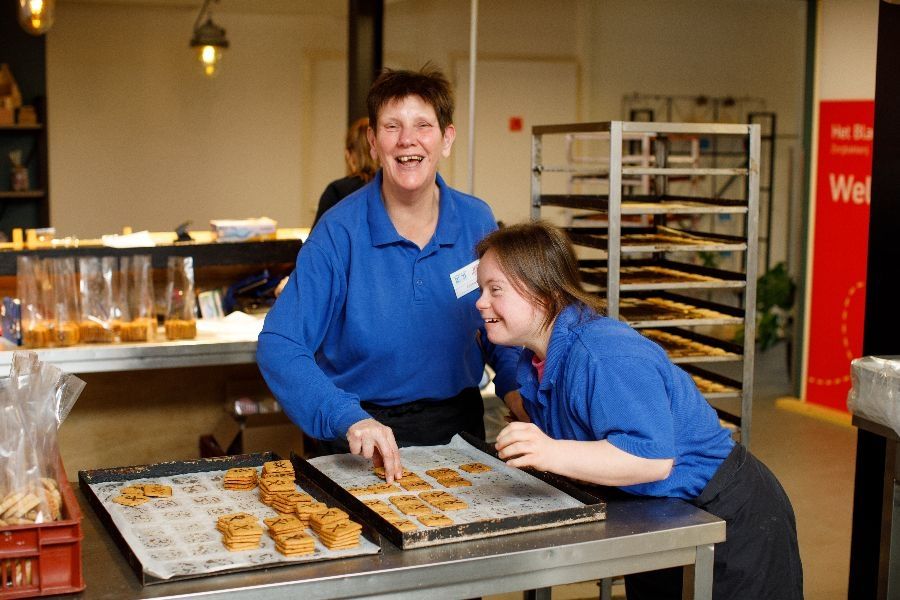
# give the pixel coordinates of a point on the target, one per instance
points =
(775, 291)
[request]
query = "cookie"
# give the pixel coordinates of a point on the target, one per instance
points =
(130, 499)
(434, 520)
(475, 467)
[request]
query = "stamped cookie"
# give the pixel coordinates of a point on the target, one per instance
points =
(475, 467)
(435, 520)
(130, 499)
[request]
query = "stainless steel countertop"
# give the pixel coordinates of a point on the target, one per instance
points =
(638, 535)
(206, 350)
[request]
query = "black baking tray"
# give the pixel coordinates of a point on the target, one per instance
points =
(168, 469)
(594, 509)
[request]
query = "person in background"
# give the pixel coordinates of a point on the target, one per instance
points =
(361, 168)
(608, 407)
(375, 342)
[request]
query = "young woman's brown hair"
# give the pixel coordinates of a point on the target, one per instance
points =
(357, 153)
(428, 83)
(540, 262)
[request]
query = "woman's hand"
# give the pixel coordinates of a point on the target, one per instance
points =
(525, 445)
(376, 441)
(517, 412)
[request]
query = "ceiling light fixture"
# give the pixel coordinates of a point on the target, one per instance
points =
(209, 40)
(36, 16)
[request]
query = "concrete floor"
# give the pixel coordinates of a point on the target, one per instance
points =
(814, 460)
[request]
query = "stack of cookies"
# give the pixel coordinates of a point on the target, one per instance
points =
(277, 478)
(336, 530)
(286, 503)
(307, 510)
(240, 531)
(290, 538)
(296, 543)
(240, 478)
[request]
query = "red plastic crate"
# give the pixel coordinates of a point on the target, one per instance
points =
(43, 559)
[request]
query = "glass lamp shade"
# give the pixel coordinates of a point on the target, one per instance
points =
(36, 16)
(209, 56)
(209, 40)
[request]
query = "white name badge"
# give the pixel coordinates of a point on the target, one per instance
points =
(465, 280)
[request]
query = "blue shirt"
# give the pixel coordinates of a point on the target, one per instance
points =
(604, 381)
(367, 315)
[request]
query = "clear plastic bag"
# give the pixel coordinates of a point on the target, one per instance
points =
(875, 390)
(64, 282)
(34, 401)
(181, 304)
(95, 283)
(137, 316)
(37, 324)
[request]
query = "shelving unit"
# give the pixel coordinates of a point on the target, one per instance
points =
(653, 276)
(27, 208)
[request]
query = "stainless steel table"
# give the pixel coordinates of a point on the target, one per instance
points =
(638, 535)
(206, 350)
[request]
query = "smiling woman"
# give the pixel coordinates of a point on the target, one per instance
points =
(374, 342)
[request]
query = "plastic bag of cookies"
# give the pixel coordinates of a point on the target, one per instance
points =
(34, 400)
(31, 283)
(64, 283)
(134, 316)
(95, 285)
(181, 304)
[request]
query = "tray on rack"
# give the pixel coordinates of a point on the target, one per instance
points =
(500, 500)
(639, 275)
(656, 239)
(688, 346)
(648, 205)
(175, 538)
(662, 309)
(712, 385)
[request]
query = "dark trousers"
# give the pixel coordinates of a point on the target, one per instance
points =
(423, 422)
(760, 558)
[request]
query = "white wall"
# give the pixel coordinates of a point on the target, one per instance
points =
(845, 49)
(138, 137)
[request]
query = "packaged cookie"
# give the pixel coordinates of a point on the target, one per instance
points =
(33, 286)
(134, 315)
(181, 305)
(95, 286)
(64, 282)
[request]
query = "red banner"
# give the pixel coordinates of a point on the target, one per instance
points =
(838, 274)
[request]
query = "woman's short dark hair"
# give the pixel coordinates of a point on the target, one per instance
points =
(428, 83)
(540, 262)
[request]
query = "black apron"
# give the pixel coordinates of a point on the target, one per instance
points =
(760, 558)
(423, 422)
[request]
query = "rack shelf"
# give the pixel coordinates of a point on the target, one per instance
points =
(631, 264)
(28, 194)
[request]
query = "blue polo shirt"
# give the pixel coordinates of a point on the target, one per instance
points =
(367, 315)
(604, 381)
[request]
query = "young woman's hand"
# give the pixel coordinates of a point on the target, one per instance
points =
(525, 445)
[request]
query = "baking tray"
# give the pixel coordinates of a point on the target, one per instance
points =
(592, 508)
(184, 468)
(642, 275)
